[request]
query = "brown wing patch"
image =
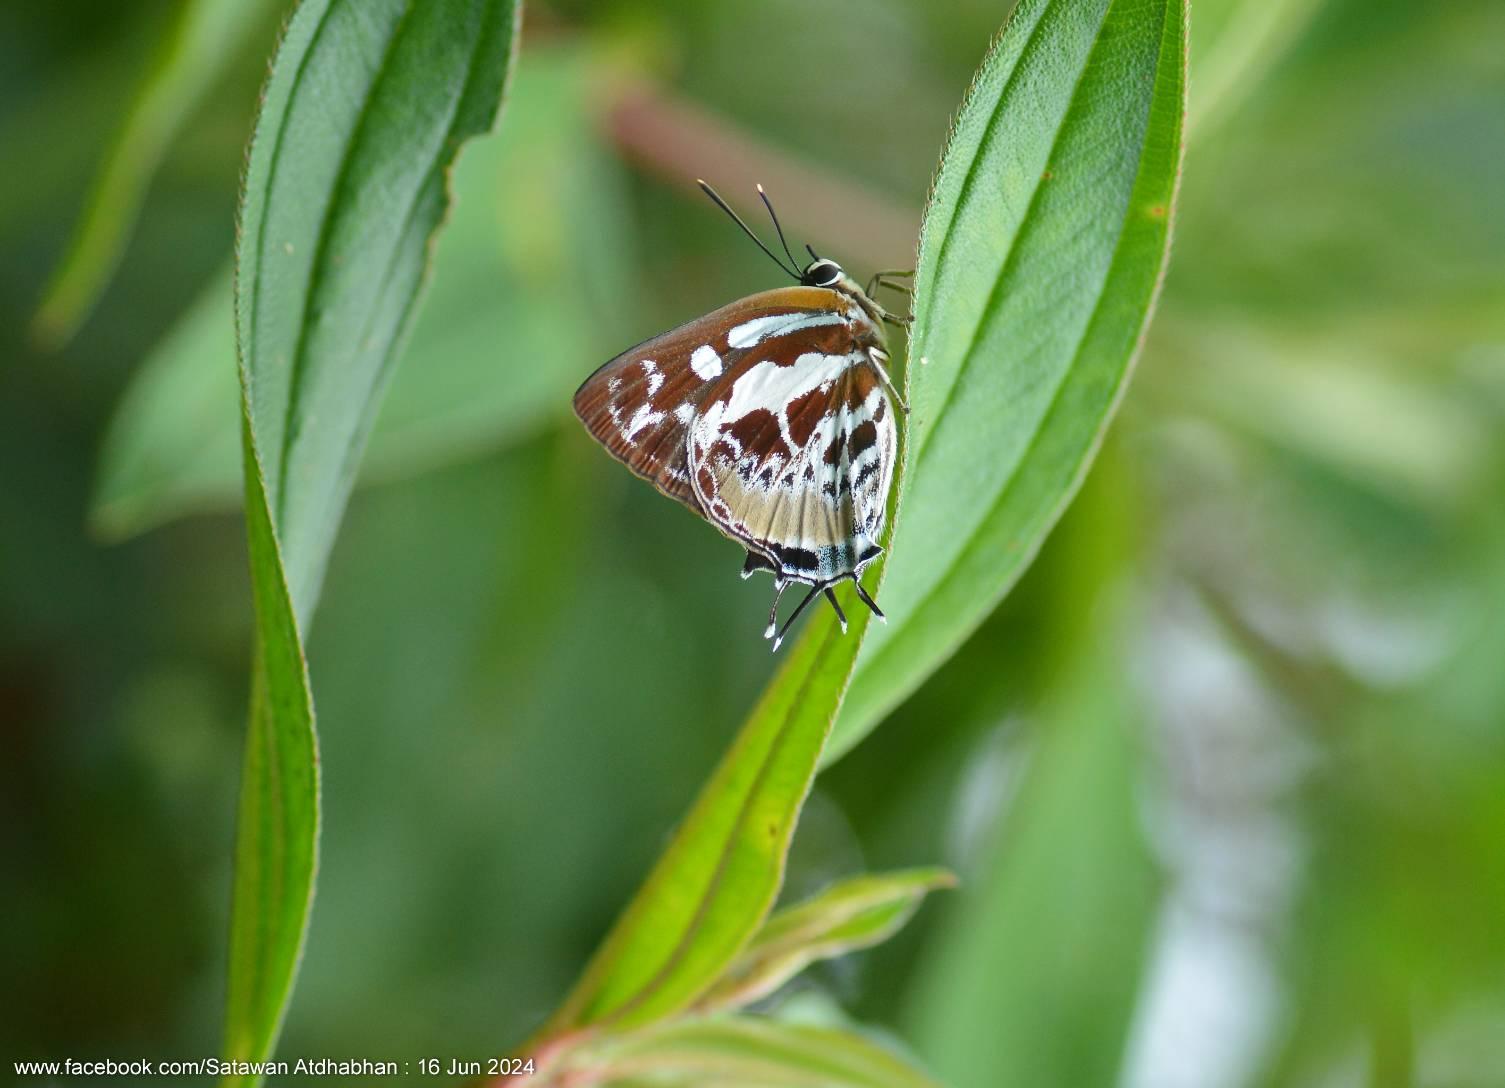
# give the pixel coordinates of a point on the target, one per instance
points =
(777, 455)
(640, 405)
(633, 415)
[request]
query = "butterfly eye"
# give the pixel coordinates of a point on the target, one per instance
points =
(822, 273)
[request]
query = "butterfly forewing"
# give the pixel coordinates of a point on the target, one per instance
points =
(640, 405)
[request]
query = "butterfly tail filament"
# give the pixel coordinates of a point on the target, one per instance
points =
(841, 617)
(779, 640)
(773, 612)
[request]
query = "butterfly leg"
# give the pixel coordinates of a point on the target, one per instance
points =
(879, 357)
(779, 586)
(862, 594)
(841, 617)
(886, 279)
(814, 591)
(894, 273)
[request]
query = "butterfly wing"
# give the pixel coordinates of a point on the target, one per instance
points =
(640, 406)
(793, 454)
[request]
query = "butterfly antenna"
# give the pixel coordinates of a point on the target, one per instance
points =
(716, 197)
(771, 214)
(813, 254)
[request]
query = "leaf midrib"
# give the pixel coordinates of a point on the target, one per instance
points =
(970, 176)
(248, 359)
(351, 454)
(298, 364)
(1025, 221)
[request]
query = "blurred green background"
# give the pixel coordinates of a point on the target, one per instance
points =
(1224, 777)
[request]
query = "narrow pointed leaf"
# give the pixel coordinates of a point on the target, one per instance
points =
(851, 915)
(533, 259)
(205, 35)
(1035, 979)
(367, 104)
(276, 841)
(1041, 255)
(713, 886)
(734, 1052)
(366, 108)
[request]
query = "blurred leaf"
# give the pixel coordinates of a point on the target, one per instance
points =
(1396, 928)
(1234, 45)
(366, 106)
(171, 446)
(1034, 981)
(206, 34)
(734, 1052)
(1040, 257)
(854, 914)
(1336, 397)
(1362, 184)
(526, 282)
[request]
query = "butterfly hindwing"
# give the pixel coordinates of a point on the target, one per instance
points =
(792, 455)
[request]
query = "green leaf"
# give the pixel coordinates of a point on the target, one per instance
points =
(206, 34)
(526, 280)
(366, 107)
(853, 914)
(1337, 128)
(1041, 254)
(1035, 978)
(734, 1052)
(367, 104)
(1331, 398)
(713, 886)
(1234, 45)
(1042, 250)
(276, 841)
(171, 443)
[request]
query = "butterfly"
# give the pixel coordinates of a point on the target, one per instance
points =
(772, 418)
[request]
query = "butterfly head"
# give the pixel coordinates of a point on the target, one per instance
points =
(822, 272)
